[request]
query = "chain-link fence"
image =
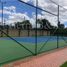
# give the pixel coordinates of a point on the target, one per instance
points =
(30, 28)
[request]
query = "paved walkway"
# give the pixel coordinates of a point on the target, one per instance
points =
(52, 59)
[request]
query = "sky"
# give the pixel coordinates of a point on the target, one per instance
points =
(15, 11)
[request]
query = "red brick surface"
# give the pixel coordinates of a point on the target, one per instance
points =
(53, 59)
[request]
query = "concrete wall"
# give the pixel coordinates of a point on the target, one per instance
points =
(16, 33)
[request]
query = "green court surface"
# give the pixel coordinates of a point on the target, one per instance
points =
(11, 51)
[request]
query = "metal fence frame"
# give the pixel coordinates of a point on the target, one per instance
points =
(37, 8)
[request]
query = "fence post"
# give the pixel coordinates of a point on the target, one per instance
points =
(58, 30)
(19, 31)
(7, 30)
(36, 29)
(28, 30)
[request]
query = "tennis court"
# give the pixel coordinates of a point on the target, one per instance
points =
(12, 51)
(29, 29)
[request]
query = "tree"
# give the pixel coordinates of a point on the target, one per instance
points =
(44, 24)
(26, 25)
(17, 25)
(61, 26)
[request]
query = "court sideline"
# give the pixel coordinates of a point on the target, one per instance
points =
(53, 58)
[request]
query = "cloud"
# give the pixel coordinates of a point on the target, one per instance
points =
(46, 5)
(14, 16)
(0, 19)
(52, 19)
(10, 8)
(25, 0)
(61, 2)
(49, 6)
(18, 17)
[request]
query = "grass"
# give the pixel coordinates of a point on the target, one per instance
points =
(64, 65)
(9, 50)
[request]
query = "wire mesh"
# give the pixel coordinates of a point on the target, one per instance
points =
(30, 28)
